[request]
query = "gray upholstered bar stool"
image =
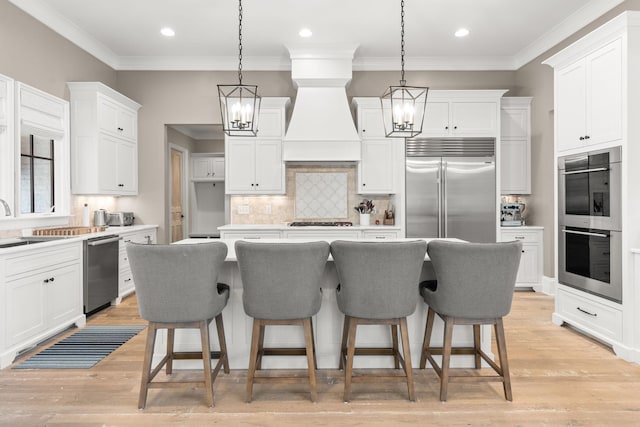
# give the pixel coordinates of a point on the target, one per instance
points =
(176, 287)
(475, 283)
(281, 286)
(378, 285)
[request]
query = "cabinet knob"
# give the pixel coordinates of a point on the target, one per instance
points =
(51, 279)
(364, 184)
(127, 280)
(582, 138)
(120, 185)
(455, 127)
(252, 185)
(364, 130)
(446, 128)
(587, 137)
(120, 129)
(523, 251)
(257, 184)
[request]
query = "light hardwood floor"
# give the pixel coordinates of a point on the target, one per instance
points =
(559, 377)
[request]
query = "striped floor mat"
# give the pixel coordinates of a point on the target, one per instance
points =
(83, 349)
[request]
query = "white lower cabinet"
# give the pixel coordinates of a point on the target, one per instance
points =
(531, 261)
(380, 235)
(41, 295)
(125, 278)
(249, 234)
(321, 235)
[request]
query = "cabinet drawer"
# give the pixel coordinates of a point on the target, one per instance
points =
(322, 235)
(524, 236)
(589, 313)
(43, 258)
(249, 235)
(380, 235)
(145, 237)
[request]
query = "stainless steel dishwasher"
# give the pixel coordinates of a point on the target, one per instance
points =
(100, 271)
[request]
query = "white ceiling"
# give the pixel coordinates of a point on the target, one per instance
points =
(505, 34)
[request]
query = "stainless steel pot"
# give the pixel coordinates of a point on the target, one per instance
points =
(100, 218)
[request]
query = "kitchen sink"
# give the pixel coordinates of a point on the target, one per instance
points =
(13, 243)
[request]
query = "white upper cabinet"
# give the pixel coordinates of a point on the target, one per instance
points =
(370, 122)
(207, 167)
(6, 102)
(515, 145)
(451, 113)
(589, 99)
(104, 149)
(255, 165)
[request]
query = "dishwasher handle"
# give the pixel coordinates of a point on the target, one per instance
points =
(99, 242)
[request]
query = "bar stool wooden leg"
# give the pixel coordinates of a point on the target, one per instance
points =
(170, 340)
(446, 358)
(427, 338)
(345, 336)
(260, 346)
(476, 346)
(308, 338)
(313, 344)
(351, 349)
(146, 365)
(223, 343)
(255, 337)
(407, 358)
(394, 339)
(502, 354)
(206, 360)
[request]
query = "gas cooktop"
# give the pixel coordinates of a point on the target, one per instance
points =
(321, 224)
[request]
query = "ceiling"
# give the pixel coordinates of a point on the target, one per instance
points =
(504, 34)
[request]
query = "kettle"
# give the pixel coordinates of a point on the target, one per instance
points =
(100, 218)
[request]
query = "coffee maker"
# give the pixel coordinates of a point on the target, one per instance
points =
(511, 214)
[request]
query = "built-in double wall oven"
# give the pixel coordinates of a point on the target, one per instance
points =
(590, 222)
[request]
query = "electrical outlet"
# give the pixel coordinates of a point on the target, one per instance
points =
(243, 210)
(267, 209)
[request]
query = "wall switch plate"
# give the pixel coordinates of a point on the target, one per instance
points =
(243, 210)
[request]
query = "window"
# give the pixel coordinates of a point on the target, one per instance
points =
(36, 174)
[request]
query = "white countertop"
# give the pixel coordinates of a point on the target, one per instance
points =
(59, 240)
(231, 254)
(280, 227)
(523, 227)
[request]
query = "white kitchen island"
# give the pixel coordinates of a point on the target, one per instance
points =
(327, 326)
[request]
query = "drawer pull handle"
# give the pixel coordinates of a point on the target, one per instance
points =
(519, 237)
(127, 280)
(586, 312)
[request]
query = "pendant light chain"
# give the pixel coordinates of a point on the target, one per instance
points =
(240, 41)
(402, 80)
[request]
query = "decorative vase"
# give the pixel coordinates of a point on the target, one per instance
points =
(365, 218)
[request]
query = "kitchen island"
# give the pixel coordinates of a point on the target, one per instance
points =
(327, 326)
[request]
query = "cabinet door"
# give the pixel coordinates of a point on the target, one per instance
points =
(371, 124)
(127, 166)
(269, 167)
(515, 177)
(108, 115)
(127, 123)
(108, 164)
(474, 118)
(200, 167)
(436, 119)
(514, 123)
(270, 123)
(240, 167)
(570, 110)
(64, 294)
(376, 167)
(528, 271)
(25, 308)
(604, 94)
(217, 167)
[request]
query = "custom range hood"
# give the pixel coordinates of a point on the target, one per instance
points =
(321, 128)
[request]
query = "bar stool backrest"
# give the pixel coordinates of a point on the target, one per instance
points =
(177, 283)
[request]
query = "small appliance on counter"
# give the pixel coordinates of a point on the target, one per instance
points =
(511, 214)
(120, 219)
(100, 218)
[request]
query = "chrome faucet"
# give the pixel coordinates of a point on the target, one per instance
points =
(7, 209)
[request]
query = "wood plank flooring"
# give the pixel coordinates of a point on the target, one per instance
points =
(559, 377)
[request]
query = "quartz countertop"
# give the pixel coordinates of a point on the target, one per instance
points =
(286, 226)
(523, 227)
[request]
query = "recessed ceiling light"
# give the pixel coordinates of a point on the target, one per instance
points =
(167, 32)
(462, 32)
(305, 32)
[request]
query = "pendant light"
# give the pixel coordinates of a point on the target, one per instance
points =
(239, 104)
(403, 106)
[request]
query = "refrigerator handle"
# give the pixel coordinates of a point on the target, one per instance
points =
(439, 198)
(443, 211)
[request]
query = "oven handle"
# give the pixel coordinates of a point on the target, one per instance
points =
(585, 233)
(104, 241)
(586, 171)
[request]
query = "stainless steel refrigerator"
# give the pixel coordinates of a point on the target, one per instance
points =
(451, 189)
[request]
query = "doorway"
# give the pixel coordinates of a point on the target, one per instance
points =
(177, 169)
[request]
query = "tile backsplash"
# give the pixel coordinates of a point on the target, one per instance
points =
(282, 209)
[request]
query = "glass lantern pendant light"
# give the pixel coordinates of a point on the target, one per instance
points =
(239, 104)
(403, 106)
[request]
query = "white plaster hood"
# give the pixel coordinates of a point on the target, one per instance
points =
(321, 128)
